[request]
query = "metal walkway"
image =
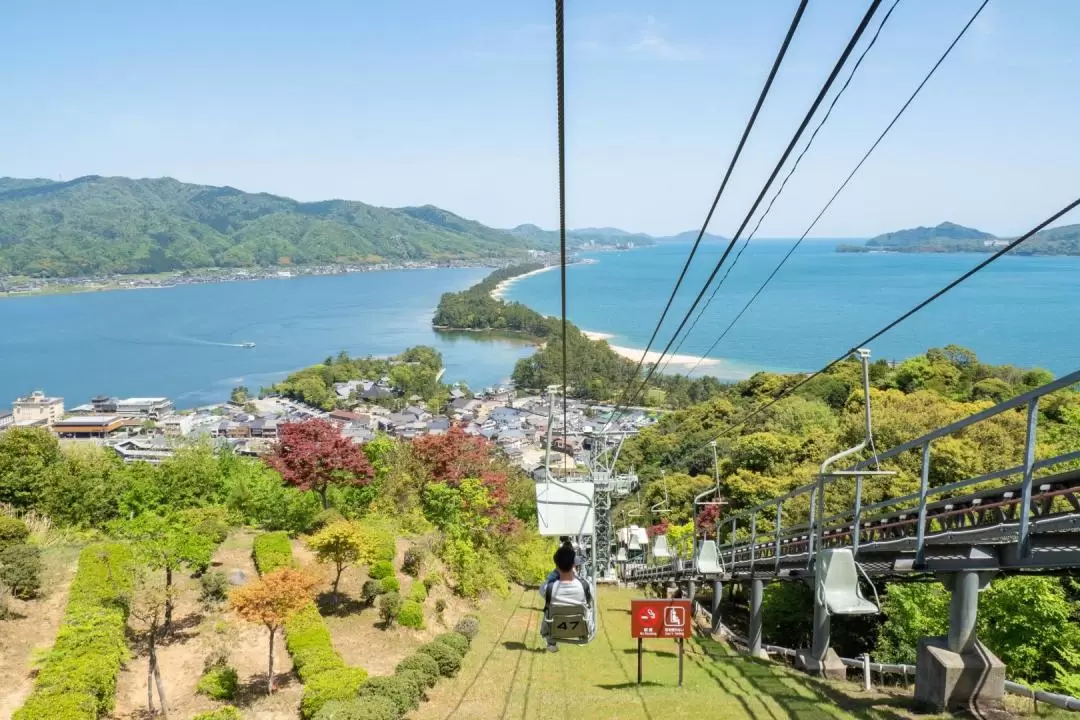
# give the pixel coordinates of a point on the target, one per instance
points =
(1023, 517)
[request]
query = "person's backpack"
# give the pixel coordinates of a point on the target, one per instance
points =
(551, 586)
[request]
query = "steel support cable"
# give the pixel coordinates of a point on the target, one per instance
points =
(865, 342)
(723, 186)
(765, 188)
(560, 110)
(783, 184)
(843, 185)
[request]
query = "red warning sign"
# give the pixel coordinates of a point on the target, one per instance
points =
(660, 619)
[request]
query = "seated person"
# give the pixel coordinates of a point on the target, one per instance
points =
(564, 541)
(567, 590)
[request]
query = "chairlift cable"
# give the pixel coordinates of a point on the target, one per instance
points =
(783, 184)
(936, 295)
(560, 110)
(856, 35)
(844, 184)
(781, 53)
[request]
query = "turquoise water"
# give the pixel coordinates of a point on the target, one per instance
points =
(181, 341)
(1020, 310)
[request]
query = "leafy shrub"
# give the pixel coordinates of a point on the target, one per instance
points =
(219, 682)
(371, 590)
(340, 684)
(401, 692)
(416, 679)
(78, 676)
(213, 589)
(209, 522)
(455, 640)
(412, 562)
(529, 561)
(308, 641)
(389, 605)
(226, 713)
(475, 570)
(440, 606)
(368, 708)
(390, 584)
(411, 615)
(12, 531)
(448, 658)
(468, 626)
(272, 551)
(20, 570)
(418, 593)
(432, 579)
(381, 569)
(424, 665)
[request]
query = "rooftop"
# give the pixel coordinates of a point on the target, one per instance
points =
(142, 400)
(101, 420)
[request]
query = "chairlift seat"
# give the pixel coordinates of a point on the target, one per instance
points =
(660, 547)
(621, 555)
(569, 624)
(708, 559)
(837, 584)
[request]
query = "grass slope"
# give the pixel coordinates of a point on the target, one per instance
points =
(509, 675)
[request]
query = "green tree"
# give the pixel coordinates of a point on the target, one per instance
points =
(342, 544)
(26, 456)
(167, 543)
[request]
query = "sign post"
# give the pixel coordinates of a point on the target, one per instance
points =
(661, 619)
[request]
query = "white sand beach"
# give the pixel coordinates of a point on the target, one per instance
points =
(684, 362)
(593, 335)
(502, 287)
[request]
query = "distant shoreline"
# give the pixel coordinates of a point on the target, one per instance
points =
(500, 289)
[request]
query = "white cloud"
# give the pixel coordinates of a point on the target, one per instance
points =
(652, 41)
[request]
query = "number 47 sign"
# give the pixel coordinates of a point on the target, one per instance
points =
(661, 619)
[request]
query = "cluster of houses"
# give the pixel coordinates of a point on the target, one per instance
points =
(150, 429)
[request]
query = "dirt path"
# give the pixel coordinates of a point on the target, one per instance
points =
(196, 636)
(33, 629)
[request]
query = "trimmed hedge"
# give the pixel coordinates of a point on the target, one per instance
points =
(380, 570)
(411, 615)
(424, 665)
(77, 680)
(325, 676)
(448, 658)
(369, 708)
(271, 551)
(226, 713)
(20, 570)
(455, 640)
(399, 691)
(340, 684)
(416, 680)
(390, 585)
(308, 641)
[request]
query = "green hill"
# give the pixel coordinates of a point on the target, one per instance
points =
(99, 224)
(950, 237)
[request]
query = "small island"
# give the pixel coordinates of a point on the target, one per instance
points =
(952, 238)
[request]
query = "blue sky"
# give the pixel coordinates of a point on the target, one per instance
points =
(404, 103)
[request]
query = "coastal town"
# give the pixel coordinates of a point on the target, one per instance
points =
(151, 429)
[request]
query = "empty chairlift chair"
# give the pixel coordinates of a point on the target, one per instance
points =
(708, 559)
(660, 549)
(836, 584)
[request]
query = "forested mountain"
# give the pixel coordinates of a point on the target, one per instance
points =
(950, 237)
(607, 236)
(120, 225)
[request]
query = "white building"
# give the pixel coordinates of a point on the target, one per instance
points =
(147, 407)
(37, 409)
(177, 425)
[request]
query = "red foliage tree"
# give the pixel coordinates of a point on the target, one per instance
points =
(658, 529)
(707, 519)
(312, 455)
(454, 456)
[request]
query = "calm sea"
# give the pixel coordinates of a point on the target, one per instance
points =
(1019, 310)
(182, 342)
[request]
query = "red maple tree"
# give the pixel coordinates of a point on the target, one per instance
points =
(312, 455)
(454, 455)
(707, 518)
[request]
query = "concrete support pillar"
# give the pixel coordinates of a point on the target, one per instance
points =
(821, 659)
(957, 672)
(717, 594)
(757, 589)
(691, 592)
(822, 631)
(963, 611)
